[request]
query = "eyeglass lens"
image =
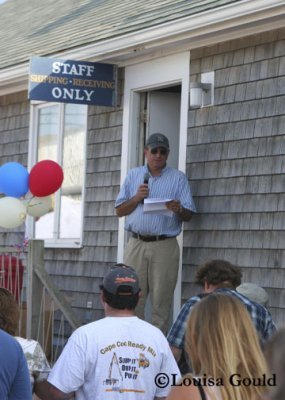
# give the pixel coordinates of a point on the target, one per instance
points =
(163, 152)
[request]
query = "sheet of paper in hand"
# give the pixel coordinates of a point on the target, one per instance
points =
(157, 206)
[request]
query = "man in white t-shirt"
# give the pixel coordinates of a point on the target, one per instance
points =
(117, 357)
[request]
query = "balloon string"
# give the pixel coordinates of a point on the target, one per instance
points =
(33, 205)
(29, 200)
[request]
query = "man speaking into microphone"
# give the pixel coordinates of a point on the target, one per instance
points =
(152, 248)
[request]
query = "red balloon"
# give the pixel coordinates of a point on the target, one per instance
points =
(45, 178)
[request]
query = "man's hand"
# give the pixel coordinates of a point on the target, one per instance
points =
(181, 212)
(142, 192)
(174, 205)
(128, 206)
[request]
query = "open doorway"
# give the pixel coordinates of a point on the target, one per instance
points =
(160, 112)
(156, 97)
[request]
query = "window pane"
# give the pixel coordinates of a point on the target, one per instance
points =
(48, 133)
(73, 146)
(44, 227)
(73, 166)
(48, 128)
(61, 138)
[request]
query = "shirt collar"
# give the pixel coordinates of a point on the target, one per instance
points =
(161, 173)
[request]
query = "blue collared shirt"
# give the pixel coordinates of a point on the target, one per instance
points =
(170, 184)
(261, 318)
(14, 373)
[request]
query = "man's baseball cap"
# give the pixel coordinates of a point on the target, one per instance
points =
(122, 280)
(157, 140)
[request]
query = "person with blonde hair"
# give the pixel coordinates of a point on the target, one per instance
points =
(225, 353)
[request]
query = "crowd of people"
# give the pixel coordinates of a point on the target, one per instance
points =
(232, 347)
(223, 345)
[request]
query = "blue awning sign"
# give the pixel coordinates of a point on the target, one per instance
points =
(69, 81)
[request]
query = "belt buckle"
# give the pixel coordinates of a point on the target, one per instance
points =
(146, 238)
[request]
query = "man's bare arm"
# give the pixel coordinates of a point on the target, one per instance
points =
(128, 206)
(47, 391)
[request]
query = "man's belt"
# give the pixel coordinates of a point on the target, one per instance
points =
(149, 238)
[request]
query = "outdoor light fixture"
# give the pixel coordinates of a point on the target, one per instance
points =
(202, 93)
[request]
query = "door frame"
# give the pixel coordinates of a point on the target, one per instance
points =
(162, 72)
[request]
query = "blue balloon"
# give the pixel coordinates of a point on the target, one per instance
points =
(14, 179)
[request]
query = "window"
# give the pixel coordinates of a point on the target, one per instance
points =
(59, 134)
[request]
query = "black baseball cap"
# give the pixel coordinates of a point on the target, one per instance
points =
(121, 280)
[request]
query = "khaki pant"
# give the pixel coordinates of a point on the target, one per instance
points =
(156, 264)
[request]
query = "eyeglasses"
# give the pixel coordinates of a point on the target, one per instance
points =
(162, 152)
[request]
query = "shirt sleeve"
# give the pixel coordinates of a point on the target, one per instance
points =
(270, 326)
(41, 366)
(68, 372)
(168, 375)
(124, 193)
(176, 335)
(186, 198)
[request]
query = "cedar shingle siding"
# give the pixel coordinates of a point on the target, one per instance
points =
(235, 162)
(14, 136)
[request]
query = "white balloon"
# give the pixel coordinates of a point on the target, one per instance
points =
(12, 212)
(39, 206)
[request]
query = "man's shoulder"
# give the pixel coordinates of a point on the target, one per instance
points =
(244, 299)
(137, 170)
(148, 326)
(194, 299)
(188, 305)
(107, 322)
(8, 341)
(87, 329)
(174, 171)
(234, 293)
(12, 352)
(136, 173)
(27, 344)
(250, 304)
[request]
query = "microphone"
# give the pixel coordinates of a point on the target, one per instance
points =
(145, 181)
(146, 178)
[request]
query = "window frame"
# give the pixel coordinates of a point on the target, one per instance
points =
(35, 106)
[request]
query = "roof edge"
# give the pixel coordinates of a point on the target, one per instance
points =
(136, 44)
